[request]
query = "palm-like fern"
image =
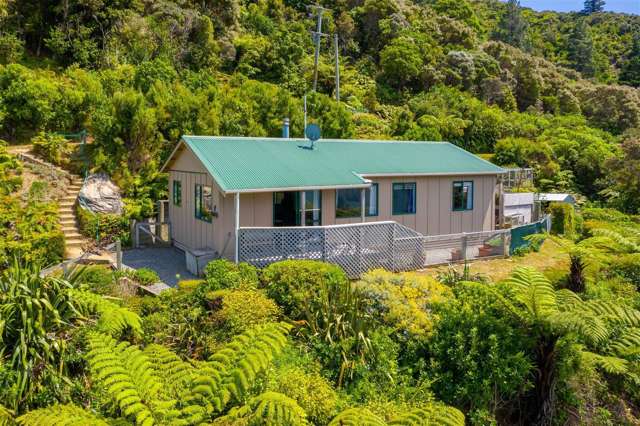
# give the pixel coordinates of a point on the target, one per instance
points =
(112, 318)
(429, 415)
(551, 314)
(270, 408)
(61, 415)
(156, 386)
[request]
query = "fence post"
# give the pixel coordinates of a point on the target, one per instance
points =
(393, 248)
(464, 246)
(506, 243)
(324, 244)
(118, 255)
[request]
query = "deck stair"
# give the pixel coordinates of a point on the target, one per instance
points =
(74, 240)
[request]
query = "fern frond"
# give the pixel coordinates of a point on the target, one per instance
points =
(61, 415)
(606, 239)
(533, 290)
(590, 327)
(128, 378)
(432, 414)
(232, 371)
(566, 299)
(269, 408)
(614, 312)
(357, 417)
(112, 318)
(628, 343)
(176, 374)
(610, 364)
(6, 416)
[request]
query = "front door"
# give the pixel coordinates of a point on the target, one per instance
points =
(287, 208)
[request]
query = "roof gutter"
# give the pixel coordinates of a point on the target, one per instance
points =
(432, 174)
(297, 188)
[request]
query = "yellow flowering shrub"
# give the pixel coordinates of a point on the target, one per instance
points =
(403, 300)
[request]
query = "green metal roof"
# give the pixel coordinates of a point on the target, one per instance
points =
(241, 164)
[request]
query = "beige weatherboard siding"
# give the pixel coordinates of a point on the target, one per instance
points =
(434, 203)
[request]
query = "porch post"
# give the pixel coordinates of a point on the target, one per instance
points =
(237, 226)
(303, 205)
(363, 203)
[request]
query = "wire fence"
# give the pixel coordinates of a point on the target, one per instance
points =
(358, 248)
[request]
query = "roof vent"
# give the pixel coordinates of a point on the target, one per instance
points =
(312, 132)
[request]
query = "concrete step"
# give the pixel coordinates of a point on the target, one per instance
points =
(68, 225)
(70, 229)
(64, 204)
(73, 242)
(72, 235)
(68, 197)
(74, 188)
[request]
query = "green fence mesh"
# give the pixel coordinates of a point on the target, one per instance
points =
(518, 234)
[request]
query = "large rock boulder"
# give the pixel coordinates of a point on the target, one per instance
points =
(100, 195)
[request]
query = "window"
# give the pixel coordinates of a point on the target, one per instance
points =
(462, 195)
(177, 193)
(404, 198)
(204, 202)
(348, 203)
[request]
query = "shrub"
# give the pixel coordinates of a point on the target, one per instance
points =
(146, 276)
(404, 300)
(52, 148)
(310, 390)
(234, 311)
(563, 219)
(626, 267)
(103, 227)
(293, 283)
(99, 279)
(221, 274)
(190, 285)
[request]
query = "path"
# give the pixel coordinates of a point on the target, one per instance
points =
(166, 261)
(74, 241)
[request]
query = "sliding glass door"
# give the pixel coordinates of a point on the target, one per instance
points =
(287, 208)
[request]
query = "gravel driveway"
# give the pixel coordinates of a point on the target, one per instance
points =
(166, 261)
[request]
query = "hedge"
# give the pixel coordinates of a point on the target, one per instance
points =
(563, 219)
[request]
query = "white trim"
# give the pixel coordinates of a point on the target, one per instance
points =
(237, 226)
(166, 163)
(298, 188)
(338, 225)
(431, 174)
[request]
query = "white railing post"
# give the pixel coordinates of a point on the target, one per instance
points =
(363, 216)
(464, 246)
(237, 227)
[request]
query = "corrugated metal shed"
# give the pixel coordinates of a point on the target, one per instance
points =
(241, 164)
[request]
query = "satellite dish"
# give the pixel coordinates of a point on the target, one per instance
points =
(312, 132)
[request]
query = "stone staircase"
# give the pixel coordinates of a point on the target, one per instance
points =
(74, 240)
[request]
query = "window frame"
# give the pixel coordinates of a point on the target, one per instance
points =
(462, 184)
(177, 193)
(199, 203)
(368, 192)
(394, 212)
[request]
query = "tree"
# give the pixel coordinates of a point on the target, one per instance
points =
(581, 50)
(401, 62)
(512, 27)
(630, 71)
(624, 171)
(550, 316)
(593, 6)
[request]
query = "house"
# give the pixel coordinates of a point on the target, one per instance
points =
(218, 185)
(556, 198)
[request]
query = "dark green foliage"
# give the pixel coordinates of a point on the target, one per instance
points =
(98, 279)
(626, 267)
(593, 6)
(580, 49)
(223, 274)
(562, 219)
(294, 283)
(146, 276)
(104, 228)
(512, 28)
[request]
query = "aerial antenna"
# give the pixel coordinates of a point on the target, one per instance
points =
(317, 35)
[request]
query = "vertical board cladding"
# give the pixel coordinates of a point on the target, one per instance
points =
(434, 205)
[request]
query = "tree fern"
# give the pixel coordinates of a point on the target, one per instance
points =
(112, 318)
(6, 416)
(433, 414)
(231, 371)
(357, 417)
(533, 290)
(61, 415)
(128, 378)
(626, 344)
(269, 408)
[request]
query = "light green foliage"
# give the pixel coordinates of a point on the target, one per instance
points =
(404, 301)
(105, 228)
(234, 311)
(70, 415)
(563, 219)
(223, 274)
(146, 276)
(52, 148)
(10, 171)
(429, 415)
(266, 409)
(112, 318)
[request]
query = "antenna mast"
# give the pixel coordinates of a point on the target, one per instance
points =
(335, 43)
(317, 35)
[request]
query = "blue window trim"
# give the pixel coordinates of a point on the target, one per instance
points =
(177, 193)
(415, 198)
(462, 184)
(198, 202)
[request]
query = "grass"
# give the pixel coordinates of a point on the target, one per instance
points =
(550, 256)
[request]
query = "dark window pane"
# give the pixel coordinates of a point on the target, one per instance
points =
(463, 195)
(348, 202)
(404, 198)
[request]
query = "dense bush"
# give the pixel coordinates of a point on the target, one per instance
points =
(104, 228)
(234, 311)
(145, 276)
(223, 274)
(52, 148)
(562, 219)
(294, 283)
(626, 267)
(403, 301)
(98, 279)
